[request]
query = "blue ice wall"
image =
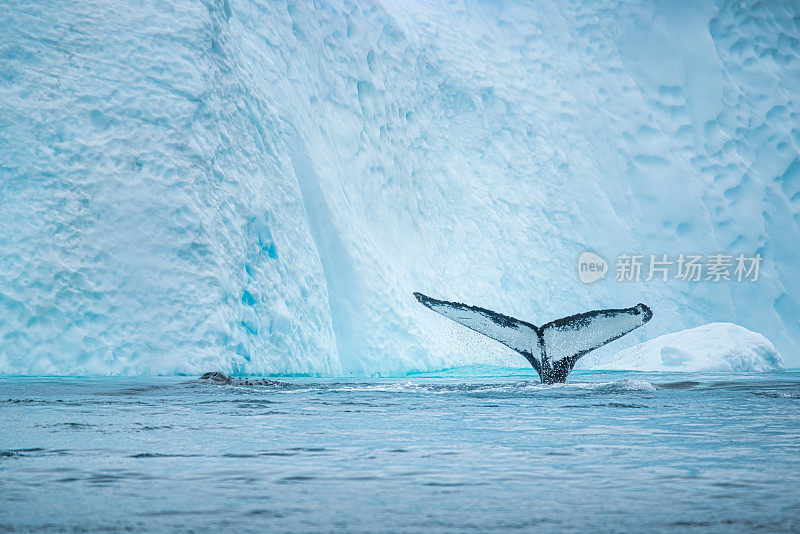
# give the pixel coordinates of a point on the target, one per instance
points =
(258, 186)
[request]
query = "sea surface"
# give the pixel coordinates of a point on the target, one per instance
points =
(468, 449)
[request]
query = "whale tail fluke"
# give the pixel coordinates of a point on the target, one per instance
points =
(553, 348)
(521, 336)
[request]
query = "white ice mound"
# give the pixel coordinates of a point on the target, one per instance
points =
(712, 347)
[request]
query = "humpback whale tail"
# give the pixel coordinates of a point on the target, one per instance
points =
(552, 349)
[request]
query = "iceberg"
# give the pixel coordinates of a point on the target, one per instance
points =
(711, 347)
(257, 186)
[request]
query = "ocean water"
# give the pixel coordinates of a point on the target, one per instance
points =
(467, 449)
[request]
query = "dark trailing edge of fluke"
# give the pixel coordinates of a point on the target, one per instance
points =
(552, 349)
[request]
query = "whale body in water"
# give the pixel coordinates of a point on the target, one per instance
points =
(552, 349)
(215, 377)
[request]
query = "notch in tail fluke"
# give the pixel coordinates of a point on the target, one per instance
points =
(552, 349)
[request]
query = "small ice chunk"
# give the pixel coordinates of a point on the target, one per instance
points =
(712, 347)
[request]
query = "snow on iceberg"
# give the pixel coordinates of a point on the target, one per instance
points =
(712, 347)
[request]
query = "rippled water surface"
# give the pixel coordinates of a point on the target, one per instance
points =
(466, 449)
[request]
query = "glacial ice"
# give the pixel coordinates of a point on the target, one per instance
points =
(712, 347)
(258, 186)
